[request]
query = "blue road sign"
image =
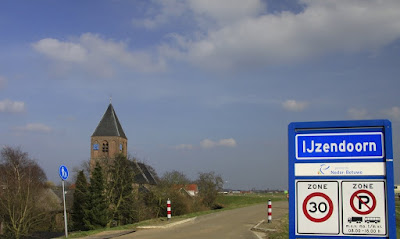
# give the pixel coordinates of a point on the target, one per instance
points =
(340, 145)
(63, 171)
(341, 179)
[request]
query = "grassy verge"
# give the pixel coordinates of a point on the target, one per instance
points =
(283, 231)
(397, 204)
(236, 201)
(227, 201)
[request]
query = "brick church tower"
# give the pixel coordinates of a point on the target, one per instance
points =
(108, 139)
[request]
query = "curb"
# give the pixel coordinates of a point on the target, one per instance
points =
(257, 229)
(168, 225)
(110, 235)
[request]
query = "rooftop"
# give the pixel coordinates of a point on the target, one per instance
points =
(109, 125)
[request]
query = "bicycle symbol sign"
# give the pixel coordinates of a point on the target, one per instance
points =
(63, 171)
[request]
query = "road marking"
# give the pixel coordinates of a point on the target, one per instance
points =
(168, 225)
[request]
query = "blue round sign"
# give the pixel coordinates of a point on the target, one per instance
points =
(63, 171)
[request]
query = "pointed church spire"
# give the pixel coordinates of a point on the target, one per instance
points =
(109, 124)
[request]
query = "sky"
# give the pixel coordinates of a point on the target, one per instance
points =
(198, 85)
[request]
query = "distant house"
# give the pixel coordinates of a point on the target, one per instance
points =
(48, 201)
(192, 189)
(189, 189)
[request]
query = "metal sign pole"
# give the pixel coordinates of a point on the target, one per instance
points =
(63, 171)
(65, 211)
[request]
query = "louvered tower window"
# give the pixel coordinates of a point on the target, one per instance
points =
(105, 147)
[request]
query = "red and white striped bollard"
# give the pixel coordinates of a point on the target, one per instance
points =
(269, 211)
(168, 209)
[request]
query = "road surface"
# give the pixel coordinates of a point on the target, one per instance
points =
(226, 224)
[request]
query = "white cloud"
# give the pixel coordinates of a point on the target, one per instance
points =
(236, 34)
(183, 147)
(358, 113)
(393, 112)
(293, 105)
(207, 143)
(324, 27)
(63, 51)
(95, 54)
(227, 142)
(34, 127)
(12, 106)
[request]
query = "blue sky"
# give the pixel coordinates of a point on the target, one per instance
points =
(197, 85)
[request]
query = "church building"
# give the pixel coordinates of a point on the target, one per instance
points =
(109, 140)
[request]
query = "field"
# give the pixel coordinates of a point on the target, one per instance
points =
(235, 201)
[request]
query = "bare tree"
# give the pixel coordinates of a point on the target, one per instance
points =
(22, 183)
(209, 185)
(175, 178)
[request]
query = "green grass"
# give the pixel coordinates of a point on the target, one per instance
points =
(283, 231)
(397, 205)
(236, 201)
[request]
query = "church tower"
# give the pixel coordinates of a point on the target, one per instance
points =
(108, 139)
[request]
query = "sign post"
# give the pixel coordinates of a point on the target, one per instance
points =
(341, 180)
(63, 172)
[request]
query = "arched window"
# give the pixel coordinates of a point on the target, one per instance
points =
(105, 147)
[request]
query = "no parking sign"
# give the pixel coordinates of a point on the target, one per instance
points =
(366, 201)
(341, 179)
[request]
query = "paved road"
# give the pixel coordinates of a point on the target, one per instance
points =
(227, 224)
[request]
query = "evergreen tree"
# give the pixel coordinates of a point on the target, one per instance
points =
(80, 202)
(96, 208)
(120, 191)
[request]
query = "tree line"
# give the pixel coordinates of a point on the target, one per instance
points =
(107, 196)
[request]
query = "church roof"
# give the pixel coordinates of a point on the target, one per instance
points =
(142, 174)
(109, 125)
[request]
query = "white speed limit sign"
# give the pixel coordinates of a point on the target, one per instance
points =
(317, 207)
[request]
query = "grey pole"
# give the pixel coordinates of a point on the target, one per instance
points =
(65, 211)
